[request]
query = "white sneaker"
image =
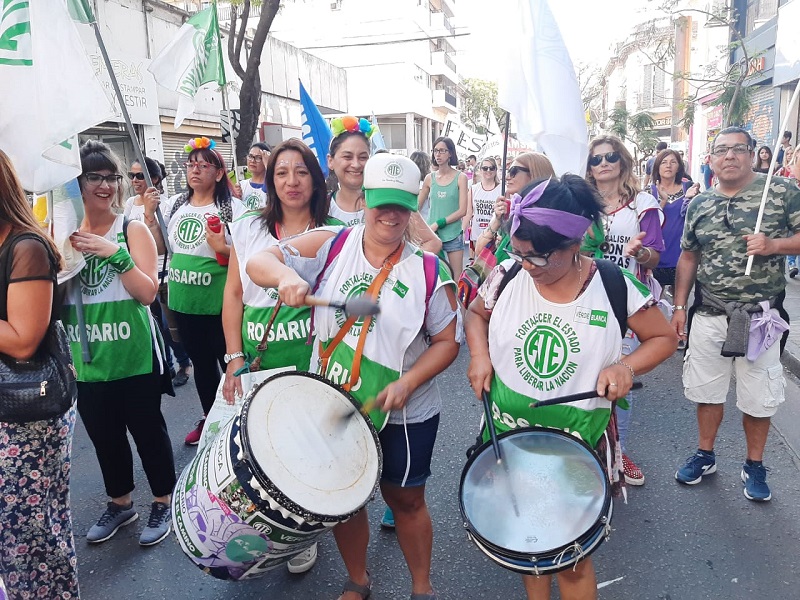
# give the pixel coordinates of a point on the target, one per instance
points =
(300, 563)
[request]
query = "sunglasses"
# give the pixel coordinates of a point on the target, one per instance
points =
(97, 179)
(135, 176)
(487, 169)
(537, 260)
(513, 171)
(611, 157)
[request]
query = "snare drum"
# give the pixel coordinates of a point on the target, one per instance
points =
(285, 470)
(561, 493)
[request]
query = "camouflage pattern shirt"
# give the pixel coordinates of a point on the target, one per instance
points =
(715, 226)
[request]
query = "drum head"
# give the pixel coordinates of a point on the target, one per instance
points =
(555, 480)
(293, 432)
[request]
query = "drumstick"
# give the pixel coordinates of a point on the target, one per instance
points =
(490, 425)
(361, 306)
(575, 397)
(496, 445)
(365, 409)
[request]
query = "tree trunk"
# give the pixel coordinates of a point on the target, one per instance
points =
(250, 113)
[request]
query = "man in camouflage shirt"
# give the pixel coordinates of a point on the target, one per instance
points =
(717, 240)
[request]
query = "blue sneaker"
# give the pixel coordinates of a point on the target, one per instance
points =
(388, 519)
(754, 478)
(699, 464)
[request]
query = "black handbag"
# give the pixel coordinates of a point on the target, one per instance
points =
(45, 386)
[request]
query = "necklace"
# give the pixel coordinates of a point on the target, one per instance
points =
(580, 279)
(283, 234)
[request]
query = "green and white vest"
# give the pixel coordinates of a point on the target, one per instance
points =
(289, 334)
(196, 279)
(253, 198)
(118, 327)
(402, 303)
(542, 350)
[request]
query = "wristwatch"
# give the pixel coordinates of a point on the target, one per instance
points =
(229, 357)
(679, 307)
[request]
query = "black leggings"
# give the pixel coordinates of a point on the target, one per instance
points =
(109, 409)
(204, 341)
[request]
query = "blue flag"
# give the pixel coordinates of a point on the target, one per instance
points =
(316, 133)
(377, 136)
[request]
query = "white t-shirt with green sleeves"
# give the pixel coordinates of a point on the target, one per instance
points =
(196, 279)
(118, 327)
(542, 350)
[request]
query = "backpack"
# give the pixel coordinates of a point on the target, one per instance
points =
(613, 282)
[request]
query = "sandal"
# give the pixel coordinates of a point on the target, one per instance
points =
(365, 591)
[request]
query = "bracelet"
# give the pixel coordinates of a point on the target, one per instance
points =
(679, 307)
(640, 252)
(440, 223)
(624, 364)
(120, 261)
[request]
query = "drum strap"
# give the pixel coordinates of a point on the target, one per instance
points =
(372, 292)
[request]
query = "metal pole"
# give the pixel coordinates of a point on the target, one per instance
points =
(136, 146)
(505, 153)
(225, 105)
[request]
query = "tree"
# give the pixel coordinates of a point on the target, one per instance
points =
(590, 81)
(248, 72)
(479, 98)
(638, 129)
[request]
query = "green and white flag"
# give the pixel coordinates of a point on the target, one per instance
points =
(191, 60)
(50, 92)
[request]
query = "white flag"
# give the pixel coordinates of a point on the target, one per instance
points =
(193, 58)
(540, 90)
(492, 127)
(50, 92)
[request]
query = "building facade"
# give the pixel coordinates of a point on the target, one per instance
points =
(398, 55)
(135, 31)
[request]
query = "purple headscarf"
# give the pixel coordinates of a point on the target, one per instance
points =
(566, 223)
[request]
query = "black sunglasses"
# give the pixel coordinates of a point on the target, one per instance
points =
(611, 157)
(134, 176)
(512, 172)
(488, 169)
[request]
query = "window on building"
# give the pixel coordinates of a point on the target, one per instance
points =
(653, 86)
(759, 12)
(394, 135)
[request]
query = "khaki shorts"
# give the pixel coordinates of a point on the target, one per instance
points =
(707, 375)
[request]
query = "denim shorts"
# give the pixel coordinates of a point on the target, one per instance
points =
(454, 245)
(421, 439)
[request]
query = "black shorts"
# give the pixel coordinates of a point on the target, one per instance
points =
(403, 468)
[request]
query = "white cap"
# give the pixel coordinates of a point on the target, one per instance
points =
(391, 179)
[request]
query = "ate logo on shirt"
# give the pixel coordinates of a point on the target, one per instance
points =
(545, 358)
(355, 286)
(190, 232)
(253, 202)
(93, 280)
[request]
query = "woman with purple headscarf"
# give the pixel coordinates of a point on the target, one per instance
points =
(546, 328)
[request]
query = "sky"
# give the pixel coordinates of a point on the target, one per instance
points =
(588, 27)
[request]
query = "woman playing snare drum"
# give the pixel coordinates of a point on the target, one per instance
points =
(539, 315)
(401, 350)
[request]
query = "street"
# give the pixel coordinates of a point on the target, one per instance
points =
(669, 542)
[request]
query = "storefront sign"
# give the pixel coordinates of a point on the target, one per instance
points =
(136, 84)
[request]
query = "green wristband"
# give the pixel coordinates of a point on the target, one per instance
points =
(121, 261)
(441, 223)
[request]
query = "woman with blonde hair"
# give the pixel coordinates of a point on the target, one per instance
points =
(34, 457)
(526, 168)
(630, 237)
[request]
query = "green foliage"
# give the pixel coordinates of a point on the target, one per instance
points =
(619, 122)
(687, 106)
(639, 128)
(480, 97)
(735, 101)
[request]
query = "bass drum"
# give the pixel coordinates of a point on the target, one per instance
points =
(545, 507)
(284, 471)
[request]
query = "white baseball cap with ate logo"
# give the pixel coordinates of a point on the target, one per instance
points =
(391, 179)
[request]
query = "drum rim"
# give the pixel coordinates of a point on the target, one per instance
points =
(264, 480)
(605, 512)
